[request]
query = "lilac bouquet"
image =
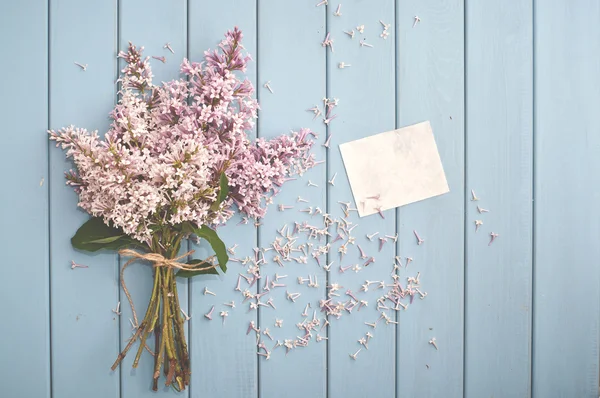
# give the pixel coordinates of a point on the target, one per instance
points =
(174, 162)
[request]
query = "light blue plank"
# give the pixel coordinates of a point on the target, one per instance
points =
(500, 171)
(566, 274)
(366, 93)
(161, 23)
(294, 61)
(84, 329)
(25, 345)
(224, 362)
(431, 87)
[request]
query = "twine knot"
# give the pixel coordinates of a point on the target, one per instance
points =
(158, 260)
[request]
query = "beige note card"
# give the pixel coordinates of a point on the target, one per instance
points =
(401, 166)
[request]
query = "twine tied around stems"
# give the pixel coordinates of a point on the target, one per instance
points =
(172, 336)
(157, 260)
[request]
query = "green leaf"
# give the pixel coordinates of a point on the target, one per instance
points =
(184, 273)
(187, 227)
(223, 191)
(94, 235)
(107, 240)
(223, 188)
(216, 243)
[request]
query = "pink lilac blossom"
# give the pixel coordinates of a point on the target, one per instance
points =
(160, 162)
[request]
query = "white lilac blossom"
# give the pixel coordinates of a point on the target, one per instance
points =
(160, 162)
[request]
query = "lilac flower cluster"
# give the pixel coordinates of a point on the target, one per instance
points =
(160, 162)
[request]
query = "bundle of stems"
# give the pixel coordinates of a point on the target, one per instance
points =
(163, 318)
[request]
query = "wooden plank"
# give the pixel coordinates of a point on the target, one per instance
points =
(367, 106)
(294, 61)
(430, 86)
(566, 273)
(84, 329)
(500, 171)
(229, 368)
(25, 346)
(162, 23)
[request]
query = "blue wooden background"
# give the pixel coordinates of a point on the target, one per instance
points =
(512, 89)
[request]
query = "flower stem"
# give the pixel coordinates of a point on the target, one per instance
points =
(182, 370)
(142, 327)
(121, 355)
(149, 318)
(168, 318)
(163, 317)
(163, 335)
(156, 347)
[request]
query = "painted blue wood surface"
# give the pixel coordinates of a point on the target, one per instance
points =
(430, 87)
(567, 187)
(224, 362)
(512, 92)
(366, 93)
(84, 329)
(25, 348)
(302, 372)
(499, 101)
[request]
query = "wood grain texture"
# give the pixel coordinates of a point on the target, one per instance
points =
(431, 87)
(500, 171)
(151, 24)
(294, 61)
(84, 329)
(224, 362)
(518, 318)
(366, 93)
(25, 343)
(567, 185)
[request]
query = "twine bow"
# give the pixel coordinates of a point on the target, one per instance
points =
(157, 260)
